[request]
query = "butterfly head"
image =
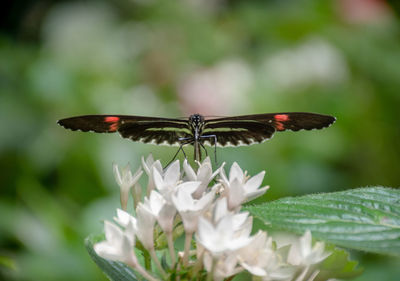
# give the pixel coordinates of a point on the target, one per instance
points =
(196, 120)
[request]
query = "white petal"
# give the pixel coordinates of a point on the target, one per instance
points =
(254, 269)
(145, 226)
(236, 194)
(220, 209)
(217, 171)
(206, 161)
(158, 166)
(149, 160)
(204, 173)
(222, 174)
(190, 173)
(137, 175)
(123, 218)
(205, 200)
(126, 173)
(172, 174)
(190, 220)
(253, 183)
(113, 233)
(238, 220)
(205, 231)
(146, 165)
(305, 244)
(252, 195)
(188, 187)
(166, 217)
(156, 202)
(117, 174)
(183, 199)
(158, 180)
(107, 251)
(236, 172)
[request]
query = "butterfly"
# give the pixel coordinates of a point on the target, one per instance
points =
(197, 130)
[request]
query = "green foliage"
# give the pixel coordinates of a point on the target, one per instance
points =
(338, 265)
(366, 219)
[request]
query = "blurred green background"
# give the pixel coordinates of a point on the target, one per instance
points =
(173, 58)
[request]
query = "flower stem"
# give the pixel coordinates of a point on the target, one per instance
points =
(171, 248)
(147, 260)
(210, 275)
(188, 239)
(143, 272)
(136, 194)
(124, 199)
(157, 262)
(198, 264)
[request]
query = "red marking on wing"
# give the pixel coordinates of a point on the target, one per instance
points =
(279, 126)
(281, 117)
(111, 119)
(113, 127)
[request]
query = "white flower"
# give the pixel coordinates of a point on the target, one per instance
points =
(118, 245)
(261, 260)
(276, 269)
(126, 181)
(204, 175)
(239, 188)
(161, 210)
(148, 166)
(189, 208)
(221, 238)
(220, 209)
(145, 226)
(302, 252)
(166, 182)
(123, 218)
(225, 266)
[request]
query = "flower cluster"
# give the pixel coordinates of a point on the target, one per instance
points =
(204, 207)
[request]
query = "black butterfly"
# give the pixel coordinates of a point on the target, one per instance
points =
(198, 131)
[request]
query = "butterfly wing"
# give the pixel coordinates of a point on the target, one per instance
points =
(154, 130)
(257, 128)
(236, 132)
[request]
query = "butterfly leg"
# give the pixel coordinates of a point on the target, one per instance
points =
(215, 145)
(204, 148)
(185, 142)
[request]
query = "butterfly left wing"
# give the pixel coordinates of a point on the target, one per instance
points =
(257, 128)
(153, 130)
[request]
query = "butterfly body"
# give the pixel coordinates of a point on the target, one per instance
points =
(197, 130)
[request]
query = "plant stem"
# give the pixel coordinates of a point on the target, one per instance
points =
(171, 248)
(188, 239)
(198, 264)
(210, 274)
(147, 259)
(124, 194)
(143, 272)
(157, 262)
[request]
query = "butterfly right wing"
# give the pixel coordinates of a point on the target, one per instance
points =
(236, 132)
(161, 131)
(257, 128)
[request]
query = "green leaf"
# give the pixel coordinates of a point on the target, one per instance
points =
(115, 271)
(338, 265)
(365, 219)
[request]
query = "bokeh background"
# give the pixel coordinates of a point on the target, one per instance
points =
(173, 58)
